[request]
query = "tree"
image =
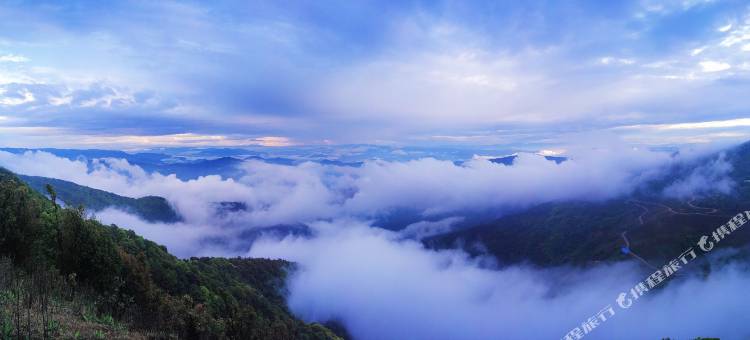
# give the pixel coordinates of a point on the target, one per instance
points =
(52, 194)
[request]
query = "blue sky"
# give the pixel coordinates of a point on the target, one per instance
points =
(143, 73)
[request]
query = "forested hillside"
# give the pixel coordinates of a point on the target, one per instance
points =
(62, 275)
(589, 232)
(149, 208)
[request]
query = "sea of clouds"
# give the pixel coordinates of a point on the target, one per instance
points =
(385, 284)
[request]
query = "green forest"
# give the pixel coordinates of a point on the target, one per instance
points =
(65, 276)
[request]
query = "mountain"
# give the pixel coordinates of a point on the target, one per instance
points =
(185, 163)
(65, 276)
(508, 160)
(340, 163)
(187, 169)
(90, 154)
(584, 232)
(149, 208)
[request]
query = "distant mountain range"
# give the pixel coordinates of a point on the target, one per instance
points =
(508, 160)
(189, 164)
(184, 167)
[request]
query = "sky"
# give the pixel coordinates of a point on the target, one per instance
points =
(278, 73)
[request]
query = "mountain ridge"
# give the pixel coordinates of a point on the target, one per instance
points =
(149, 208)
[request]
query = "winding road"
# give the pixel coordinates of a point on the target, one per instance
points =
(644, 206)
(645, 211)
(625, 236)
(710, 210)
(631, 253)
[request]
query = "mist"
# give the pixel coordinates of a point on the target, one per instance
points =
(707, 178)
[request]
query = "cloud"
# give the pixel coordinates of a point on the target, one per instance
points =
(299, 72)
(718, 124)
(741, 122)
(274, 141)
(183, 239)
(12, 58)
(381, 287)
(712, 177)
(612, 60)
(183, 140)
(725, 28)
(697, 51)
(480, 184)
(20, 97)
(433, 195)
(701, 132)
(423, 229)
(714, 66)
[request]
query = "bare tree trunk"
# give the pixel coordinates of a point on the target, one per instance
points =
(17, 303)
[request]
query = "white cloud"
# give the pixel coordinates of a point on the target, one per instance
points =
(706, 178)
(381, 287)
(431, 77)
(714, 66)
(422, 229)
(613, 60)
(736, 36)
(716, 124)
(59, 101)
(435, 88)
(22, 96)
(731, 130)
(698, 51)
(417, 93)
(12, 58)
(285, 195)
(182, 139)
(182, 239)
(725, 28)
(273, 141)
